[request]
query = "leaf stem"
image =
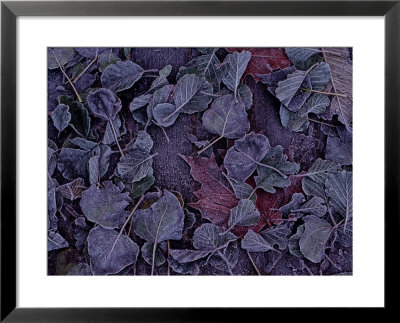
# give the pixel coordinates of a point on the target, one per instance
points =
(163, 130)
(86, 68)
(273, 168)
(253, 263)
(69, 80)
(324, 123)
(115, 137)
(322, 92)
(209, 145)
(151, 70)
(126, 222)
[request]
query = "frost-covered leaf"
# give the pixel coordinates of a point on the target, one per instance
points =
(215, 196)
(243, 190)
(135, 165)
(140, 187)
(105, 59)
(72, 163)
(140, 102)
(121, 75)
(204, 65)
(80, 269)
(254, 242)
(236, 65)
(209, 237)
(290, 91)
(313, 240)
(51, 210)
(241, 160)
(320, 76)
(90, 52)
(314, 180)
(190, 96)
(245, 213)
(104, 104)
(342, 83)
(187, 255)
(189, 221)
(273, 169)
(191, 268)
(162, 221)
(104, 206)
(107, 258)
(165, 71)
(226, 118)
(98, 164)
(294, 242)
(80, 120)
(72, 190)
(63, 54)
(55, 241)
(83, 143)
(147, 254)
(345, 236)
(61, 117)
(340, 149)
(225, 259)
(339, 189)
(119, 127)
(277, 235)
(298, 121)
(299, 55)
(244, 95)
(298, 206)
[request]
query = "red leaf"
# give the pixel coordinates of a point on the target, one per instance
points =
(264, 60)
(216, 198)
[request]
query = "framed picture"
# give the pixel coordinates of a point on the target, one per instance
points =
(196, 154)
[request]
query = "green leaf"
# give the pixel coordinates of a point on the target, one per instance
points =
(312, 242)
(61, 117)
(80, 120)
(140, 187)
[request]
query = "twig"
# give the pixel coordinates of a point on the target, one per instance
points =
(253, 263)
(322, 92)
(115, 137)
(69, 80)
(126, 222)
(209, 145)
(324, 123)
(86, 68)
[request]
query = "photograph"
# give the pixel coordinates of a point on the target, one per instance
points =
(199, 161)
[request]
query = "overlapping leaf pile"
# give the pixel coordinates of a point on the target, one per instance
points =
(254, 207)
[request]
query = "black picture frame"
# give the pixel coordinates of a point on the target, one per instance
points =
(10, 10)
